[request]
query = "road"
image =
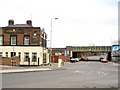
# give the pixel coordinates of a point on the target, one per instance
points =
(76, 75)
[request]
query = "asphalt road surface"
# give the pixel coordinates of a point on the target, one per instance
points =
(76, 75)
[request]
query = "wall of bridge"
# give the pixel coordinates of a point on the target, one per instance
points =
(92, 49)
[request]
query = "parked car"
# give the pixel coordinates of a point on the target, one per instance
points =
(77, 59)
(73, 60)
(103, 58)
(83, 58)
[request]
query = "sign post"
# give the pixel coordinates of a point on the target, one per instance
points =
(116, 53)
(65, 54)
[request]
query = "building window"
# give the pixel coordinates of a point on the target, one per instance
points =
(34, 56)
(13, 40)
(1, 40)
(0, 54)
(19, 54)
(44, 36)
(13, 54)
(26, 56)
(26, 40)
(44, 57)
(6, 54)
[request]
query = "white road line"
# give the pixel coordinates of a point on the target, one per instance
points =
(72, 67)
(77, 71)
(90, 72)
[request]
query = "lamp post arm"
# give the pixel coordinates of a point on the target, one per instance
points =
(51, 35)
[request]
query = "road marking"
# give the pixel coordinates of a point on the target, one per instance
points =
(101, 73)
(77, 71)
(24, 70)
(72, 67)
(91, 72)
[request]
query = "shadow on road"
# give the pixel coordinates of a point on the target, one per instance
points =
(91, 60)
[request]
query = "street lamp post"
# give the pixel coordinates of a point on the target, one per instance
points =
(51, 39)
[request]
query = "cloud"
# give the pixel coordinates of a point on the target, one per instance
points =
(80, 21)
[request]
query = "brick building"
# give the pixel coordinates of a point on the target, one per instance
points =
(24, 41)
(79, 51)
(60, 53)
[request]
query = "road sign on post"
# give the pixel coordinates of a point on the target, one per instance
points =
(65, 54)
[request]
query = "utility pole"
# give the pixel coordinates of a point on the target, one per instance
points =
(51, 40)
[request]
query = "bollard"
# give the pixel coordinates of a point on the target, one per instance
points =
(59, 62)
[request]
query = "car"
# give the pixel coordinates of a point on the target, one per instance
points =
(73, 60)
(103, 58)
(83, 58)
(77, 59)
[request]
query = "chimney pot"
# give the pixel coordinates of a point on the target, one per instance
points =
(29, 22)
(10, 22)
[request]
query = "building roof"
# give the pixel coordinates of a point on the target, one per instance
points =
(19, 25)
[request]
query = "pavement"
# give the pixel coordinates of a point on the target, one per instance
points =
(19, 69)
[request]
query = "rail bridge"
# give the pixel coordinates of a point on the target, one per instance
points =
(78, 51)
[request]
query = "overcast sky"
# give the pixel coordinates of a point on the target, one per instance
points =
(79, 23)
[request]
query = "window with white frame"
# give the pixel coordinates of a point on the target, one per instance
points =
(34, 56)
(1, 40)
(13, 54)
(26, 56)
(1, 54)
(13, 40)
(19, 54)
(27, 40)
(6, 54)
(44, 36)
(44, 57)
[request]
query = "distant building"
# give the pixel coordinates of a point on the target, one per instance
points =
(60, 53)
(79, 51)
(24, 41)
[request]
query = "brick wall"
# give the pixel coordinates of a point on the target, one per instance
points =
(55, 58)
(10, 61)
(20, 38)
(6, 39)
(20, 32)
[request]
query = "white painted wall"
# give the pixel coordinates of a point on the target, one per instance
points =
(23, 49)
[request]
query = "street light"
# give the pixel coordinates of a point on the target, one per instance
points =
(51, 39)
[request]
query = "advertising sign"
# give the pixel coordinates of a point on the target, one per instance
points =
(116, 50)
(65, 52)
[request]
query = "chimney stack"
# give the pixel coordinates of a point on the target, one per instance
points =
(29, 22)
(10, 22)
